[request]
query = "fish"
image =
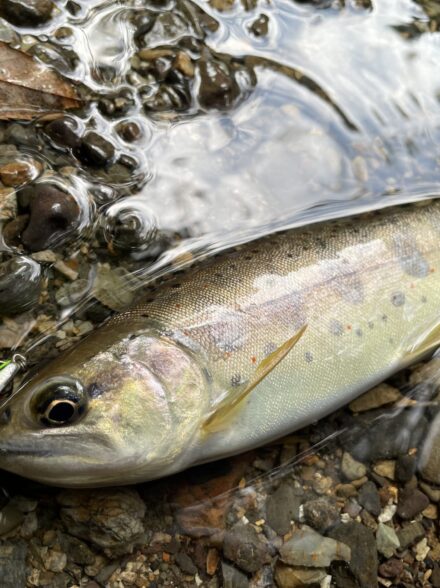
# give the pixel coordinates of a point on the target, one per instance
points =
(234, 352)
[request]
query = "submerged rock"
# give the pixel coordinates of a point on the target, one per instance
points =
(110, 519)
(13, 564)
(243, 546)
(362, 567)
(310, 549)
(20, 280)
(26, 13)
(282, 507)
(54, 216)
(291, 577)
(387, 540)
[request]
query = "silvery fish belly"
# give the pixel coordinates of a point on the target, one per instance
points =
(244, 348)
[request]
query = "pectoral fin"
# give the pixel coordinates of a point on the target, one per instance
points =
(427, 342)
(225, 408)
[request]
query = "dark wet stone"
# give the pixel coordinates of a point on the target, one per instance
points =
(114, 520)
(97, 312)
(405, 468)
(410, 534)
(435, 576)
(13, 566)
(63, 132)
(233, 578)
(218, 87)
(94, 150)
(243, 546)
(260, 26)
(368, 497)
(391, 568)
(20, 280)
(76, 550)
(321, 514)
(129, 130)
(361, 571)
(374, 436)
(26, 12)
(117, 104)
(165, 98)
(411, 503)
(282, 507)
(185, 563)
(54, 215)
(429, 464)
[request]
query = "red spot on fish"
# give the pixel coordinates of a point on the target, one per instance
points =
(412, 285)
(253, 359)
(178, 305)
(431, 270)
(349, 327)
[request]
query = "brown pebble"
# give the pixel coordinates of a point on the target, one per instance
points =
(391, 568)
(411, 503)
(17, 173)
(212, 560)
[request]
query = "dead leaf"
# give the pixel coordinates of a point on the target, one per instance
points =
(29, 89)
(200, 505)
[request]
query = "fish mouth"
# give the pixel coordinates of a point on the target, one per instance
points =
(11, 450)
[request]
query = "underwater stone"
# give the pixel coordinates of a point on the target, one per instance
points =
(20, 279)
(54, 215)
(26, 12)
(310, 549)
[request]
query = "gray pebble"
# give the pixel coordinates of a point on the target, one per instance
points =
(387, 540)
(321, 514)
(351, 468)
(282, 507)
(363, 564)
(310, 549)
(243, 546)
(233, 578)
(368, 497)
(410, 534)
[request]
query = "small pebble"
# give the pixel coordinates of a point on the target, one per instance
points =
(376, 397)
(310, 549)
(411, 503)
(387, 540)
(351, 468)
(94, 150)
(369, 498)
(410, 533)
(26, 13)
(243, 546)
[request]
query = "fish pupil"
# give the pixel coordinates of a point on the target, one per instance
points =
(61, 411)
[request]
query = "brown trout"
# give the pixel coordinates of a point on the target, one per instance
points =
(244, 348)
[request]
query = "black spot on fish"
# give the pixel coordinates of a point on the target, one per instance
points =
(370, 325)
(176, 285)
(336, 327)
(398, 299)
(424, 299)
(236, 380)
(94, 390)
(410, 259)
(384, 318)
(308, 356)
(359, 332)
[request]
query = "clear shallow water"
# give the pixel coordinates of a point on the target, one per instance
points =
(333, 118)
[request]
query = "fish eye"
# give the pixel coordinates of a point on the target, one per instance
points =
(60, 402)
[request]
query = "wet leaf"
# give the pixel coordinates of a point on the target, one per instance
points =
(29, 89)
